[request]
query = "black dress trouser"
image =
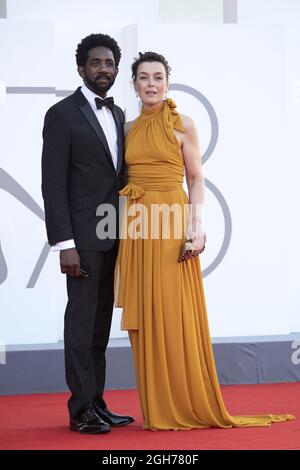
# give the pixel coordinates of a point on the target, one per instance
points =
(87, 326)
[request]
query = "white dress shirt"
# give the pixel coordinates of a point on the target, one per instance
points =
(107, 122)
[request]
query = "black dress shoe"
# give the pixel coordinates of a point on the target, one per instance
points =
(89, 422)
(110, 418)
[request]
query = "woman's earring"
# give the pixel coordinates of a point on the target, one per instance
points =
(137, 94)
(166, 94)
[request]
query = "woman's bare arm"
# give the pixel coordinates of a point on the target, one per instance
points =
(195, 182)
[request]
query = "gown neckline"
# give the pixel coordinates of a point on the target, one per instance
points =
(152, 111)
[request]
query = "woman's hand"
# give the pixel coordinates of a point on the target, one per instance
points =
(195, 232)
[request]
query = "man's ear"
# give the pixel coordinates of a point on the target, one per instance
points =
(117, 70)
(80, 70)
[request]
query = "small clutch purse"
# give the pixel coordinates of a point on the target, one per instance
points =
(186, 250)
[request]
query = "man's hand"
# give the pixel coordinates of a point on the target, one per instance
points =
(70, 262)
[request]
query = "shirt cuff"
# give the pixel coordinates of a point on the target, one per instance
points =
(65, 245)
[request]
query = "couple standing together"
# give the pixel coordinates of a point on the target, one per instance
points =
(163, 301)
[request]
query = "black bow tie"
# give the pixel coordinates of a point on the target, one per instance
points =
(109, 102)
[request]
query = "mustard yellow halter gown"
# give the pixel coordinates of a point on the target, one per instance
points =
(163, 301)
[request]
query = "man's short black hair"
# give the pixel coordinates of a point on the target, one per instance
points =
(96, 40)
(149, 57)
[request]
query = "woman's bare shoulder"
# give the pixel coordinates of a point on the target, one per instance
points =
(127, 126)
(187, 122)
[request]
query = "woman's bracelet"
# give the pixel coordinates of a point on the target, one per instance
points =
(196, 218)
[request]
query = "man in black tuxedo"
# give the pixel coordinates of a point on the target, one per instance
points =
(82, 168)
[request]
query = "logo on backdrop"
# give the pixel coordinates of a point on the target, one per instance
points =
(10, 185)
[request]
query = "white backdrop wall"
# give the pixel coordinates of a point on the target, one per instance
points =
(246, 293)
(101, 11)
(268, 11)
(286, 13)
(244, 73)
(35, 315)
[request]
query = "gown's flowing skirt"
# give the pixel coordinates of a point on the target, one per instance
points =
(165, 313)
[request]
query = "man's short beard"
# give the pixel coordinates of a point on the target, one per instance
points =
(97, 88)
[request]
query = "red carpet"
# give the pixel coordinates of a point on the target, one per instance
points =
(41, 422)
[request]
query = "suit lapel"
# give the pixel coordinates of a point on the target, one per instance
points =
(90, 116)
(120, 140)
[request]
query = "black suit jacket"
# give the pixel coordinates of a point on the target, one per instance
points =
(78, 173)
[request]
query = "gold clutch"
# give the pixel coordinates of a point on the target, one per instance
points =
(186, 250)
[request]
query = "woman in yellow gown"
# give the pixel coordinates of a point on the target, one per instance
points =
(163, 301)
